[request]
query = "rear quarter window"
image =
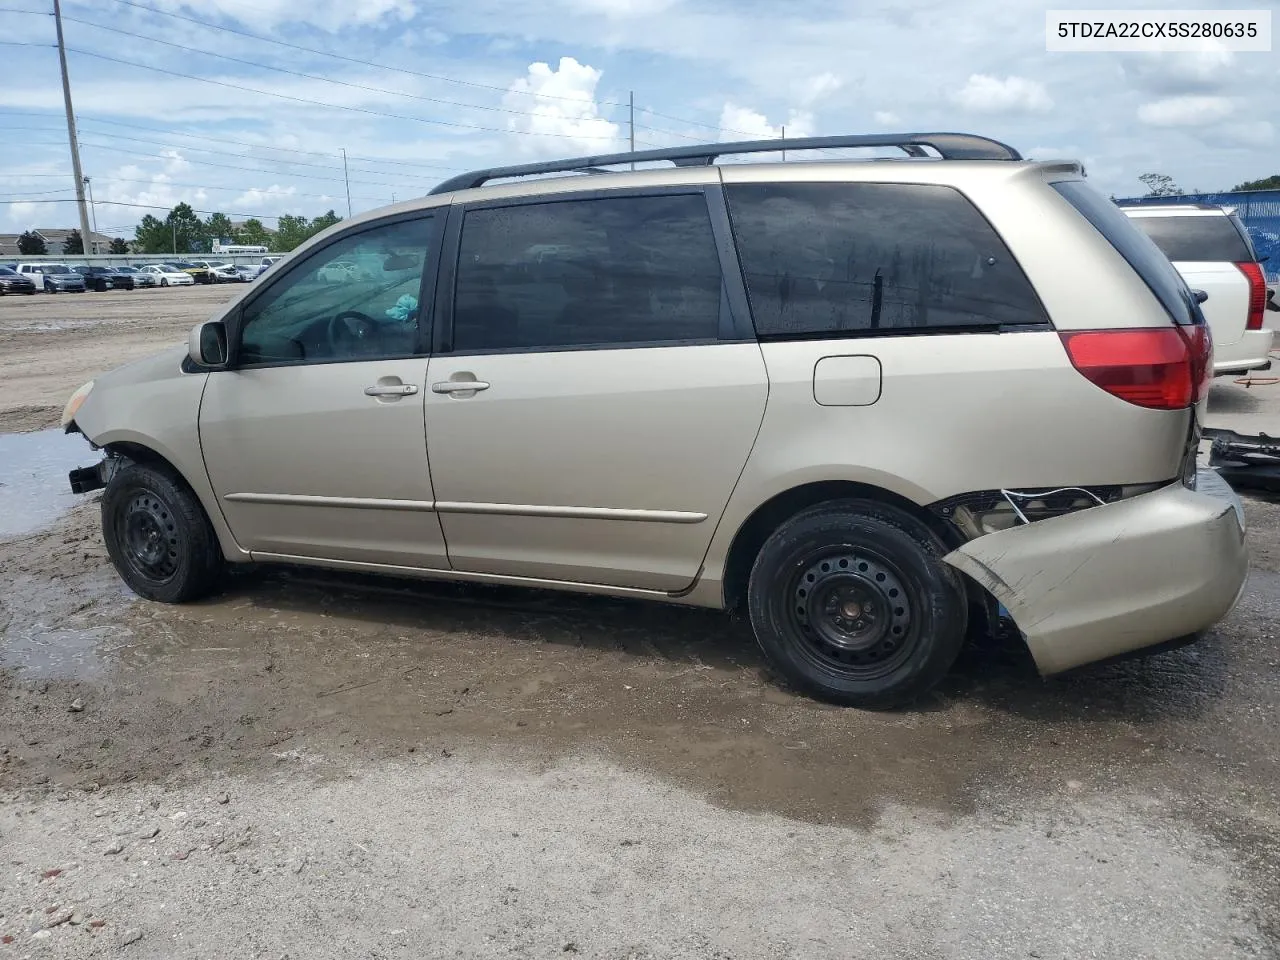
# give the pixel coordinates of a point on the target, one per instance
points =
(1141, 252)
(831, 259)
(1196, 239)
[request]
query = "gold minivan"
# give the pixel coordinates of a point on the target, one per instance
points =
(878, 404)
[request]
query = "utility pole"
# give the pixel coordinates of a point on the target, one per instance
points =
(88, 182)
(631, 113)
(784, 143)
(174, 224)
(71, 124)
(347, 180)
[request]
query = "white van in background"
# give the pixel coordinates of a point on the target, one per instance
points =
(1210, 247)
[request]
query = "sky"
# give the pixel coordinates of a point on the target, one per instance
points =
(247, 111)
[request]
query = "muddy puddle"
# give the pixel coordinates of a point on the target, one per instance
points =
(33, 478)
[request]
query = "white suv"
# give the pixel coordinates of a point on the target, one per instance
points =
(1211, 248)
(871, 402)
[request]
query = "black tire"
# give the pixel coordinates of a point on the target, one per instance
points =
(851, 602)
(158, 535)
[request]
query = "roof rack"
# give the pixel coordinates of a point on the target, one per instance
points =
(950, 146)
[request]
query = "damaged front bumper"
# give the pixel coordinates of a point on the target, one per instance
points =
(88, 479)
(1119, 577)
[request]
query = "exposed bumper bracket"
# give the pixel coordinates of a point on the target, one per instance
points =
(1244, 460)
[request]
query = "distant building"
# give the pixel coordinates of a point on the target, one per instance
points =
(54, 239)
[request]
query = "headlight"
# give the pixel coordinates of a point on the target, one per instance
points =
(73, 405)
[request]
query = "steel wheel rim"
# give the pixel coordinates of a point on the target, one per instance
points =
(852, 613)
(149, 537)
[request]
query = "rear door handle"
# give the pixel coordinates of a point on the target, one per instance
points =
(391, 390)
(459, 386)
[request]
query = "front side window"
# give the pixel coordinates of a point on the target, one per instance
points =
(357, 298)
(856, 258)
(568, 273)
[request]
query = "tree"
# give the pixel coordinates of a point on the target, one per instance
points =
(74, 243)
(32, 245)
(218, 227)
(1160, 185)
(323, 222)
(118, 245)
(1268, 183)
(253, 232)
(186, 230)
(152, 235)
(290, 231)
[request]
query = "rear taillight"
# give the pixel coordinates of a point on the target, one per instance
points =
(1163, 368)
(1257, 293)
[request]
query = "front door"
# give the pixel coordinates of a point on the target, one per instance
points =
(315, 441)
(595, 406)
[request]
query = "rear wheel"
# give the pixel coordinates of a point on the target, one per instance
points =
(158, 536)
(852, 603)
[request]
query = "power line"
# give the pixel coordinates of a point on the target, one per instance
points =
(223, 153)
(414, 73)
(153, 206)
(321, 103)
(87, 118)
(229, 166)
(297, 73)
(365, 63)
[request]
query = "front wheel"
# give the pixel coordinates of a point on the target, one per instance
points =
(158, 535)
(164, 282)
(851, 602)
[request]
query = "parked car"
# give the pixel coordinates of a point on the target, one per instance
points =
(53, 277)
(224, 272)
(197, 271)
(13, 282)
(167, 275)
(1210, 247)
(247, 272)
(140, 279)
(875, 404)
(341, 271)
(103, 278)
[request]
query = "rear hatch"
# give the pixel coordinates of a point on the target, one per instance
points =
(1213, 253)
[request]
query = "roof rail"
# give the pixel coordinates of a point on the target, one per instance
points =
(951, 146)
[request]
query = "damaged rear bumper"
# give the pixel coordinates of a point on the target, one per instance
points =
(1118, 577)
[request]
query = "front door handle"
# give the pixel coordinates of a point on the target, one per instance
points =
(459, 386)
(391, 390)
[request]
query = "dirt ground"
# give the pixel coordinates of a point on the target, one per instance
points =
(313, 765)
(52, 343)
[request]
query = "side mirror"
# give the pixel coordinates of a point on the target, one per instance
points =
(1200, 295)
(207, 344)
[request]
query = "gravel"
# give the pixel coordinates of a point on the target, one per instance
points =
(485, 857)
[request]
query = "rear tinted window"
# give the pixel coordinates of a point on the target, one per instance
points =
(1150, 263)
(1196, 239)
(834, 258)
(576, 272)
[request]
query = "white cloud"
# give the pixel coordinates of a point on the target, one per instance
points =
(1185, 111)
(268, 15)
(562, 108)
(620, 9)
(987, 94)
(886, 118)
(743, 123)
(274, 199)
(819, 87)
(1246, 133)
